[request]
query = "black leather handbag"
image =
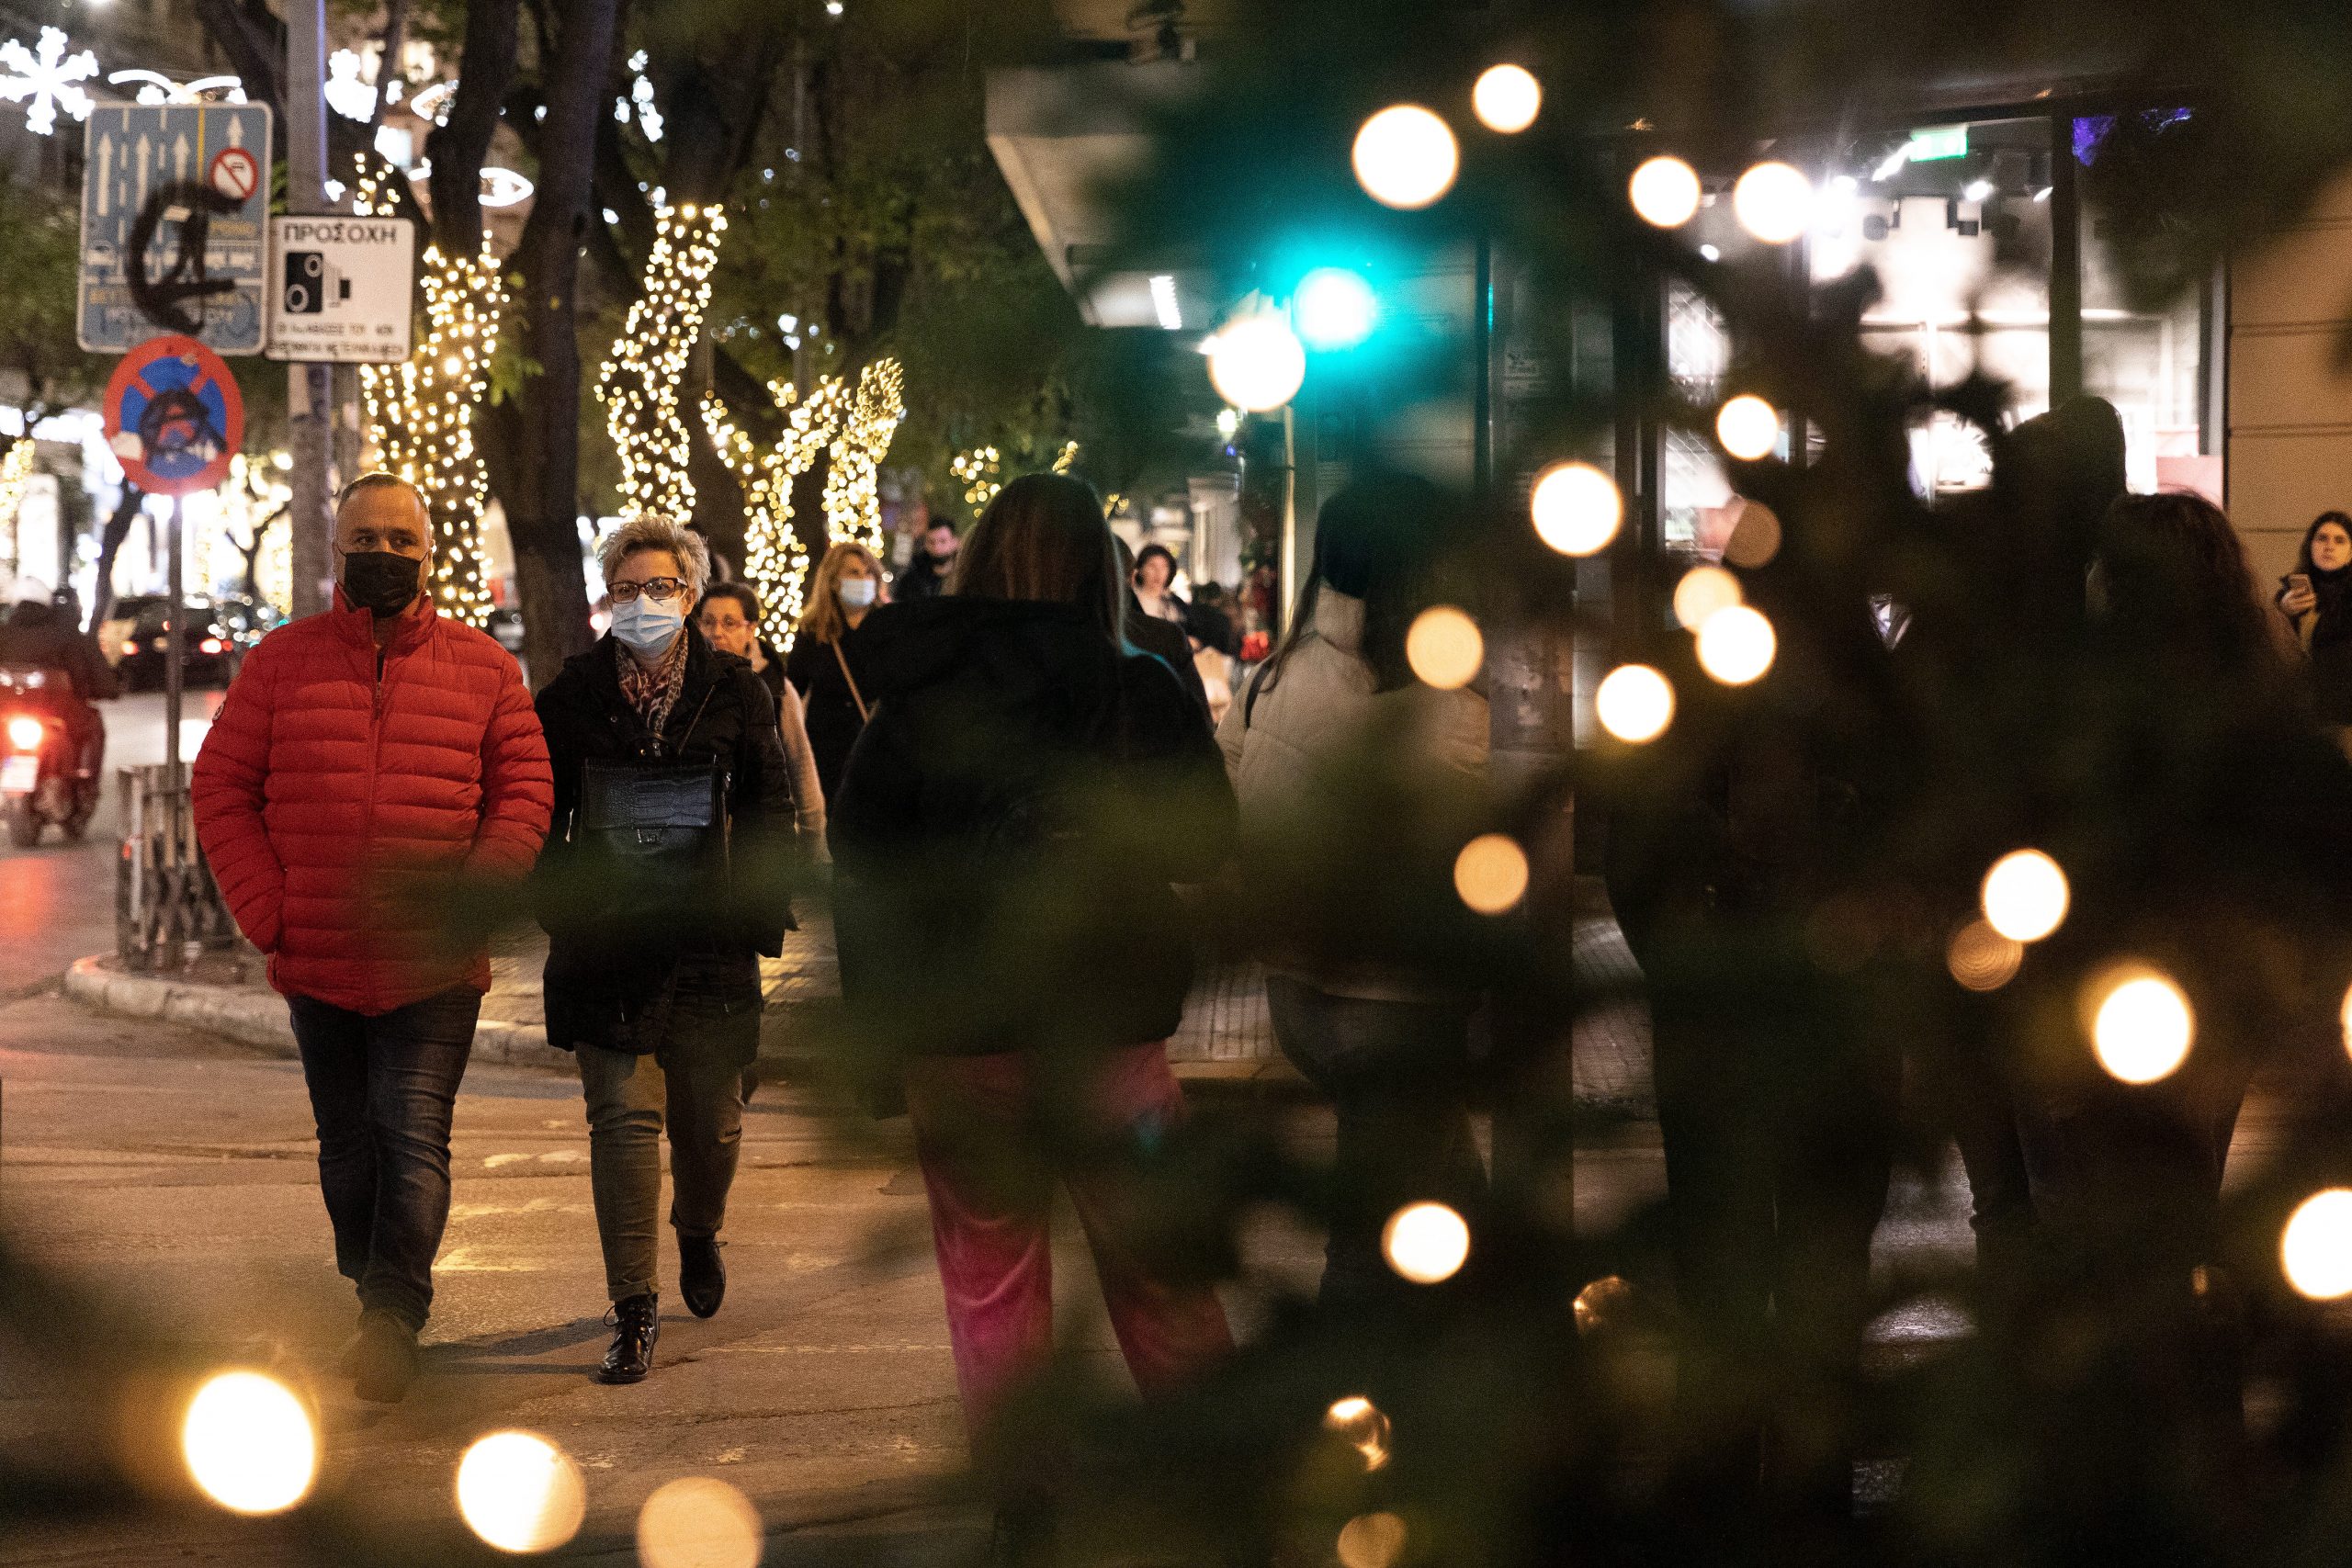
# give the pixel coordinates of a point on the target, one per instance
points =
(661, 827)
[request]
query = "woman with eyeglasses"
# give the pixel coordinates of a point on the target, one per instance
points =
(826, 664)
(662, 886)
(730, 620)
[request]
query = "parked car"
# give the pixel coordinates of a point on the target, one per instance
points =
(136, 637)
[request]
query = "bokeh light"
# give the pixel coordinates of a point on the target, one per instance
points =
(1360, 1424)
(2344, 1016)
(1444, 648)
(1257, 364)
(2315, 1247)
(1507, 98)
(698, 1522)
(2141, 1027)
(1982, 959)
(1665, 192)
(1748, 427)
(1490, 874)
(1335, 307)
(1755, 537)
(1427, 1242)
(1702, 590)
(1406, 156)
(1577, 508)
(1605, 1303)
(1634, 703)
(1372, 1540)
(2025, 896)
(520, 1492)
(250, 1443)
(1773, 201)
(1736, 646)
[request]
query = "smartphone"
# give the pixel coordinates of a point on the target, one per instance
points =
(2299, 582)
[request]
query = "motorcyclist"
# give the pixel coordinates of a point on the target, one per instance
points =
(41, 635)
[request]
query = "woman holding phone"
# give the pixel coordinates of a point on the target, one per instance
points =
(2316, 598)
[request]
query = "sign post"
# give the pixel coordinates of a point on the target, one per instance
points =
(174, 418)
(343, 291)
(175, 225)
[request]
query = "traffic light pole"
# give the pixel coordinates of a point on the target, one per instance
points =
(309, 397)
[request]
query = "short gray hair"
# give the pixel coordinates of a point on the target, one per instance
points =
(651, 531)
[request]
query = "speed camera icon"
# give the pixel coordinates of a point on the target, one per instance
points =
(312, 282)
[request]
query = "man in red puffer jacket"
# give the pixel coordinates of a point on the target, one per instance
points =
(373, 740)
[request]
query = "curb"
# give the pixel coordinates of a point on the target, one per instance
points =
(259, 1018)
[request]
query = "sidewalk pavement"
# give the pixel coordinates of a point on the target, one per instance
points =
(1226, 1034)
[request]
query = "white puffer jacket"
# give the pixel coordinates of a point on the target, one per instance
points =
(1287, 753)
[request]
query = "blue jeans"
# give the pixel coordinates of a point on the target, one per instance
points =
(382, 1090)
(1397, 1075)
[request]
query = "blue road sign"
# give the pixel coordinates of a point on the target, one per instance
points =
(174, 224)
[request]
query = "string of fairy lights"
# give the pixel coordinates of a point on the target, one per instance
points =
(420, 413)
(852, 496)
(979, 470)
(640, 381)
(775, 557)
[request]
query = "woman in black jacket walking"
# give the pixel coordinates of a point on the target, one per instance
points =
(2316, 599)
(1005, 840)
(662, 886)
(828, 662)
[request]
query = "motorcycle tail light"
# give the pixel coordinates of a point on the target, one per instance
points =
(24, 734)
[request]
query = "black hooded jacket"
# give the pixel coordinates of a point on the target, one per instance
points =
(601, 962)
(1008, 829)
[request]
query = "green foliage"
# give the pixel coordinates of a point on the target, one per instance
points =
(41, 233)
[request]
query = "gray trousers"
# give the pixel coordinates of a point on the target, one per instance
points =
(696, 1087)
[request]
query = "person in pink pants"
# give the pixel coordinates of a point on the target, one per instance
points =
(1005, 838)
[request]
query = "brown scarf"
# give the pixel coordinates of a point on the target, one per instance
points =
(653, 690)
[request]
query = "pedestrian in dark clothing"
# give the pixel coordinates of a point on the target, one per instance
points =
(2316, 599)
(1005, 841)
(41, 634)
(934, 564)
(730, 622)
(1777, 1093)
(826, 664)
(662, 886)
(1160, 636)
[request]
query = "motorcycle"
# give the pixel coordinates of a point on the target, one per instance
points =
(42, 782)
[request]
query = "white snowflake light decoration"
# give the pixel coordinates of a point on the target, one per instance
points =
(47, 78)
(346, 93)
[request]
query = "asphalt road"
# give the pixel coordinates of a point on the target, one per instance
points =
(57, 900)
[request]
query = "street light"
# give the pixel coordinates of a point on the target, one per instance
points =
(1257, 364)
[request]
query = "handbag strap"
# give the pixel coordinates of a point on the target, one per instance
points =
(842, 659)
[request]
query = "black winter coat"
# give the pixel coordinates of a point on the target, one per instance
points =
(828, 704)
(602, 967)
(1008, 830)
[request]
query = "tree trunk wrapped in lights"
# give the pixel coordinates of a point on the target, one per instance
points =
(638, 384)
(853, 502)
(774, 558)
(421, 412)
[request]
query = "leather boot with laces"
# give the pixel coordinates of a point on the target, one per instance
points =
(637, 1324)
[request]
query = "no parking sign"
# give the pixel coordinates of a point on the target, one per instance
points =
(173, 416)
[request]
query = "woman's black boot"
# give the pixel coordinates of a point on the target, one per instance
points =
(637, 1325)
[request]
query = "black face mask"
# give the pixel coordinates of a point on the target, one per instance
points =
(380, 581)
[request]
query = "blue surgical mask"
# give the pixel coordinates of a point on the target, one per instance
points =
(857, 593)
(647, 623)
